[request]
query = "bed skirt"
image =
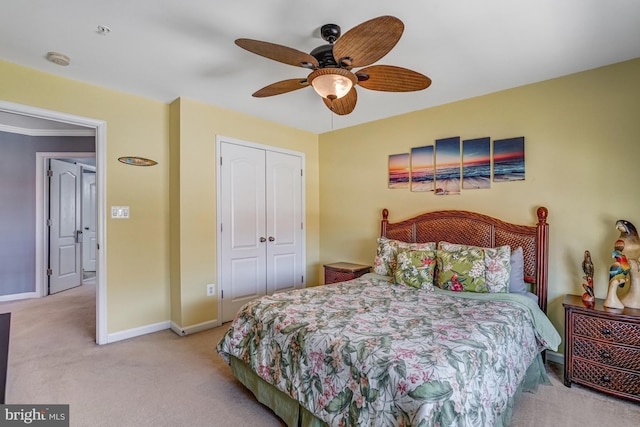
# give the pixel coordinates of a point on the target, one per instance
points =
(296, 415)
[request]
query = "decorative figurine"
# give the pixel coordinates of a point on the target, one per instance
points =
(588, 298)
(617, 276)
(630, 247)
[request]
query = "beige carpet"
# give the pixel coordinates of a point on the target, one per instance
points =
(162, 379)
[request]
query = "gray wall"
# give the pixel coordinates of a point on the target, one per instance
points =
(18, 204)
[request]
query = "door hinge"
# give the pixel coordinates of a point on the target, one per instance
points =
(220, 160)
(301, 172)
(49, 222)
(302, 279)
(221, 293)
(49, 173)
(49, 272)
(302, 226)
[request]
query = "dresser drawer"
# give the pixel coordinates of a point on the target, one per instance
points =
(607, 354)
(605, 329)
(606, 378)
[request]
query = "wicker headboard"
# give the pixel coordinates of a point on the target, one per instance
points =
(471, 228)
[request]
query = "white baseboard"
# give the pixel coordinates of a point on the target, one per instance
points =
(555, 357)
(193, 328)
(15, 297)
(136, 332)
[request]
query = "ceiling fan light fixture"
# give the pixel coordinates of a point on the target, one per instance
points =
(332, 83)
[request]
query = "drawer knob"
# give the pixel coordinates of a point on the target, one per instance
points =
(606, 331)
(606, 379)
(605, 354)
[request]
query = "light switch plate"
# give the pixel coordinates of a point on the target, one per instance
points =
(120, 212)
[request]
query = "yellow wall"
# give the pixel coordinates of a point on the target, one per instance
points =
(582, 151)
(159, 261)
(199, 125)
(137, 249)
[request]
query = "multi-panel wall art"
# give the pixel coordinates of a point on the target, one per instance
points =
(448, 166)
(399, 170)
(476, 163)
(422, 172)
(451, 164)
(508, 159)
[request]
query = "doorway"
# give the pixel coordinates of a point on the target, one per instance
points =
(99, 129)
(69, 243)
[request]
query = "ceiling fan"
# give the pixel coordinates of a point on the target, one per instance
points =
(332, 75)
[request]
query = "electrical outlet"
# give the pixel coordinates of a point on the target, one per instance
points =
(211, 289)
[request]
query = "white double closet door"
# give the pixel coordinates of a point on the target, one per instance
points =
(261, 225)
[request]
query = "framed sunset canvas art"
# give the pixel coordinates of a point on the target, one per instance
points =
(422, 171)
(476, 163)
(399, 170)
(508, 159)
(448, 166)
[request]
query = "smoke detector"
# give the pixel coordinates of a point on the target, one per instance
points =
(58, 58)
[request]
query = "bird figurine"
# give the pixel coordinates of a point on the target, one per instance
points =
(617, 276)
(587, 267)
(629, 244)
(620, 268)
(628, 239)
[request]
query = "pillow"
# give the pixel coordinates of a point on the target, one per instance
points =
(387, 252)
(516, 277)
(416, 268)
(385, 256)
(497, 262)
(461, 268)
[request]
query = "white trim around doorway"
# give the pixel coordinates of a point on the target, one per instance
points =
(100, 128)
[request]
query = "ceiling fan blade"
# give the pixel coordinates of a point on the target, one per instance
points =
(281, 87)
(343, 106)
(366, 43)
(284, 54)
(389, 78)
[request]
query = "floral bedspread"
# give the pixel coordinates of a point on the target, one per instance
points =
(367, 352)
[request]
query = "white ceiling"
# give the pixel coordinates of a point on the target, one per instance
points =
(164, 49)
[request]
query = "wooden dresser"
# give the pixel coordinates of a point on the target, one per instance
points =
(343, 271)
(602, 348)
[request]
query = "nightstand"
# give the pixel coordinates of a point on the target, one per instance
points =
(343, 271)
(602, 348)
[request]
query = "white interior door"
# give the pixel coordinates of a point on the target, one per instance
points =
(89, 218)
(243, 227)
(261, 224)
(284, 222)
(64, 216)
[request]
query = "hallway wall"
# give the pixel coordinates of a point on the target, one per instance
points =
(18, 204)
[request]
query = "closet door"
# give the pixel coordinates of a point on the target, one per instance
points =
(284, 222)
(261, 224)
(243, 227)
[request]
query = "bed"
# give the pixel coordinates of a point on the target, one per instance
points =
(380, 350)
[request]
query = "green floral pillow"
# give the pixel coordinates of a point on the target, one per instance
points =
(416, 268)
(386, 255)
(461, 268)
(497, 262)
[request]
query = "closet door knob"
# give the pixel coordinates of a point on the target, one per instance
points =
(272, 239)
(262, 240)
